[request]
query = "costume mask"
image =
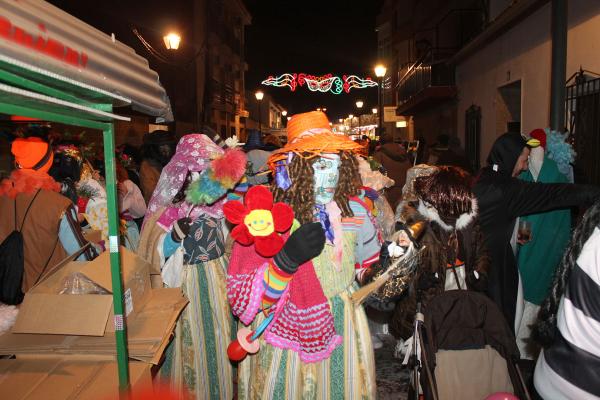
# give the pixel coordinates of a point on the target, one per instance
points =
(326, 177)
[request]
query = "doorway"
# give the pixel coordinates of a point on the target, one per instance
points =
(508, 108)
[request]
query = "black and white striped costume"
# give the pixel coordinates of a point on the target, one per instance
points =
(570, 368)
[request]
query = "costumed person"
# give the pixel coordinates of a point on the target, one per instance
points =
(568, 327)
(66, 169)
(374, 184)
(502, 200)
(395, 160)
(157, 150)
(550, 231)
(92, 201)
(128, 156)
(131, 207)
(316, 344)
(30, 202)
(182, 239)
(257, 169)
(453, 256)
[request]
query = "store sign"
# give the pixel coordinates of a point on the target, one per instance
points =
(41, 42)
(389, 114)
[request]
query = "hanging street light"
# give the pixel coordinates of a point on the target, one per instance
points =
(359, 104)
(374, 110)
(172, 41)
(284, 113)
(380, 71)
(259, 96)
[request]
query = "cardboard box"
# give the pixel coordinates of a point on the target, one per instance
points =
(149, 331)
(45, 311)
(92, 235)
(67, 378)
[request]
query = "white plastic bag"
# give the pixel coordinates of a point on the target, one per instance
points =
(172, 271)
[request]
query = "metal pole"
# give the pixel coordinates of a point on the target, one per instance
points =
(559, 65)
(380, 108)
(115, 260)
(259, 123)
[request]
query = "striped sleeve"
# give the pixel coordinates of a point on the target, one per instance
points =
(575, 354)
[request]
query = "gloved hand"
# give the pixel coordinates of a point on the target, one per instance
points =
(181, 228)
(303, 245)
(369, 273)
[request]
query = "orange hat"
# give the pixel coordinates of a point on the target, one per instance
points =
(32, 153)
(311, 133)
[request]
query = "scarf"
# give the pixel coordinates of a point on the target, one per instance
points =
(27, 181)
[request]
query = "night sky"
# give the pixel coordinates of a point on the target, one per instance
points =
(315, 37)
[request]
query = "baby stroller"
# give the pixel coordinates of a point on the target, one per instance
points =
(467, 349)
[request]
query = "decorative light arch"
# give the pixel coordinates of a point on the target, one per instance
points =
(324, 83)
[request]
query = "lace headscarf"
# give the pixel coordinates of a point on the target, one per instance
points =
(194, 153)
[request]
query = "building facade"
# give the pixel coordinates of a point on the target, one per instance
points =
(224, 65)
(415, 40)
(503, 77)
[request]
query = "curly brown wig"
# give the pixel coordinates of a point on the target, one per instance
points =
(301, 194)
(448, 190)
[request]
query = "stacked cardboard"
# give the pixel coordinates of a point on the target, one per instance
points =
(53, 323)
(55, 378)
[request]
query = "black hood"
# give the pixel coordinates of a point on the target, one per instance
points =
(505, 152)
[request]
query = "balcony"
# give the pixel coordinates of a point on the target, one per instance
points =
(426, 83)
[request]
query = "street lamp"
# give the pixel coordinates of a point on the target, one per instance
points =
(172, 41)
(380, 71)
(359, 104)
(324, 109)
(259, 96)
(284, 113)
(374, 110)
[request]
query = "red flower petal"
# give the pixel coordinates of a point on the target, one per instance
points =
(283, 216)
(241, 235)
(258, 198)
(268, 246)
(235, 212)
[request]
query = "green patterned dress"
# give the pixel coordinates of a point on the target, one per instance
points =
(196, 364)
(349, 373)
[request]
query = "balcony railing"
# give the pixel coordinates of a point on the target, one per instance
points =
(429, 71)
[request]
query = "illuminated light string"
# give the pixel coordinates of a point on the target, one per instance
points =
(325, 83)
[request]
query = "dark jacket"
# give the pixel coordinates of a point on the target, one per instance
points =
(502, 199)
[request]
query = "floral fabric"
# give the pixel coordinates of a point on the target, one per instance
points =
(194, 153)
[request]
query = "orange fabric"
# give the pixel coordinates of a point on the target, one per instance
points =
(27, 181)
(29, 151)
(302, 138)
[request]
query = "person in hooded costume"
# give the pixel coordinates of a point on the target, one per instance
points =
(502, 200)
(550, 232)
(157, 150)
(454, 256)
(30, 201)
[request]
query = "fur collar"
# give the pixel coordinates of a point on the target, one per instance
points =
(27, 181)
(431, 214)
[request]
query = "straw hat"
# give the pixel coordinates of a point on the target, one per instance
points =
(310, 133)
